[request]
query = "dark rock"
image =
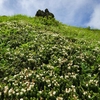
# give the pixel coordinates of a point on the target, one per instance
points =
(45, 13)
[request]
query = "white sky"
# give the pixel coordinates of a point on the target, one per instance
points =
(72, 12)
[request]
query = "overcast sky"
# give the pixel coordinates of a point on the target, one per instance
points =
(72, 12)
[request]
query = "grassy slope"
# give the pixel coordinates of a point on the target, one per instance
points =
(36, 54)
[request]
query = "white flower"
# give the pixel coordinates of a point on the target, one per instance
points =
(37, 76)
(11, 91)
(90, 81)
(15, 76)
(89, 75)
(30, 74)
(72, 86)
(69, 67)
(89, 96)
(74, 90)
(69, 73)
(21, 76)
(56, 84)
(21, 93)
(74, 76)
(59, 98)
(87, 85)
(21, 99)
(48, 81)
(0, 93)
(6, 89)
(68, 90)
(5, 78)
(52, 93)
(59, 59)
(66, 76)
(50, 73)
(23, 90)
(17, 94)
(61, 76)
(40, 92)
(84, 92)
(50, 67)
(30, 87)
(49, 85)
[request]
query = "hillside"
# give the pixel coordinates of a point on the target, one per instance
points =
(43, 59)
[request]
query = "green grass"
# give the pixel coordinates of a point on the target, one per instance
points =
(43, 59)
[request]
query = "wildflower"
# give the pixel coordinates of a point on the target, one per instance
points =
(74, 76)
(6, 89)
(37, 76)
(25, 77)
(0, 93)
(50, 67)
(69, 73)
(90, 81)
(15, 76)
(52, 93)
(68, 90)
(61, 76)
(87, 85)
(56, 84)
(41, 74)
(30, 87)
(23, 90)
(25, 69)
(59, 60)
(11, 91)
(30, 74)
(89, 75)
(76, 66)
(74, 90)
(17, 90)
(17, 94)
(69, 67)
(48, 81)
(84, 92)
(40, 92)
(89, 96)
(5, 78)
(21, 93)
(72, 86)
(21, 99)
(50, 73)
(49, 85)
(59, 98)
(75, 97)
(21, 76)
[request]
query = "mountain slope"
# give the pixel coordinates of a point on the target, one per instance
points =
(42, 58)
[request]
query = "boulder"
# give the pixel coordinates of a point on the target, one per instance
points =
(45, 13)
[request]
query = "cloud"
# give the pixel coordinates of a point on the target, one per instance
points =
(31, 6)
(95, 18)
(72, 12)
(3, 10)
(77, 12)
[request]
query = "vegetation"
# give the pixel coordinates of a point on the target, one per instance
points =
(43, 59)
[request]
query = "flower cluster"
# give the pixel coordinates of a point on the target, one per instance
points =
(35, 64)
